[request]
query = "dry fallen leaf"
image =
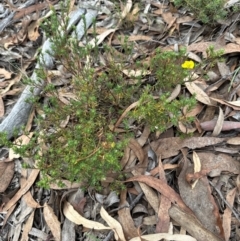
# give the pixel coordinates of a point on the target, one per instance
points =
(192, 225)
(234, 141)
(163, 216)
(126, 220)
(234, 104)
(31, 179)
(52, 222)
(200, 200)
(160, 236)
(150, 194)
(197, 166)
(33, 32)
(22, 140)
(168, 147)
(27, 227)
(228, 213)
(200, 95)
(219, 124)
(4, 74)
(6, 174)
(217, 163)
(226, 126)
(2, 109)
(137, 149)
(126, 9)
(76, 218)
(163, 188)
(114, 225)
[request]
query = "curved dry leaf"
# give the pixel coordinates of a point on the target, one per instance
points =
(174, 93)
(144, 137)
(163, 223)
(157, 237)
(169, 18)
(101, 37)
(168, 147)
(199, 47)
(127, 8)
(238, 182)
(197, 166)
(28, 198)
(196, 162)
(125, 218)
(5, 74)
(130, 107)
(192, 225)
(22, 140)
(126, 156)
(151, 196)
(228, 213)
(75, 217)
(2, 109)
(231, 48)
(223, 69)
(114, 224)
(217, 163)
(199, 199)
(234, 104)
(200, 95)
(193, 112)
(24, 188)
(7, 170)
(195, 57)
(234, 141)
(163, 188)
(52, 222)
(27, 227)
(227, 125)
(137, 149)
(33, 32)
(4, 91)
(219, 124)
(187, 129)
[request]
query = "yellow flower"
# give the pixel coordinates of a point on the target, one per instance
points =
(188, 64)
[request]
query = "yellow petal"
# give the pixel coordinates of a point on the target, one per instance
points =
(188, 64)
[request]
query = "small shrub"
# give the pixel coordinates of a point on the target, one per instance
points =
(204, 10)
(85, 149)
(168, 70)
